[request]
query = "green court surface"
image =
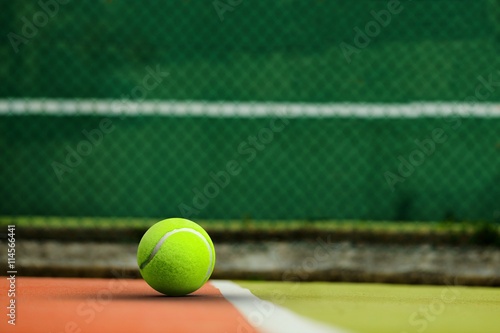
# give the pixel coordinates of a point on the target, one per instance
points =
(377, 308)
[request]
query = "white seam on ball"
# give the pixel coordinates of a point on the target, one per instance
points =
(170, 233)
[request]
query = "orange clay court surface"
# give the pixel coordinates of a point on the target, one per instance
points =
(71, 305)
(77, 305)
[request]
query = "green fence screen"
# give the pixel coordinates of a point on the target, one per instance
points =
(229, 109)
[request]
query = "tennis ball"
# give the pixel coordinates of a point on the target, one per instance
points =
(176, 256)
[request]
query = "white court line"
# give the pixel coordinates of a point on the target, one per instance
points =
(267, 317)
(68, 107)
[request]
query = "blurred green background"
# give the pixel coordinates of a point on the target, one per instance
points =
(288, 51)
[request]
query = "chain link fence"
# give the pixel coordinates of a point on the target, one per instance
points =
(261, 110)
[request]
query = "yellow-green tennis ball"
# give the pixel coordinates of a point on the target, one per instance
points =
(176, 256)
